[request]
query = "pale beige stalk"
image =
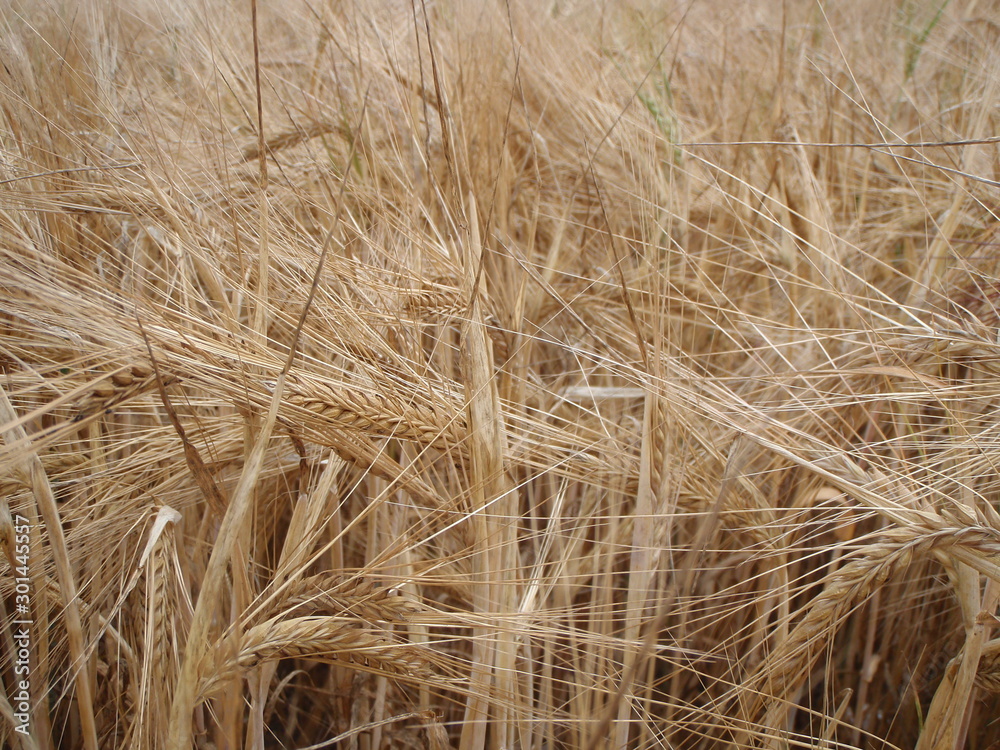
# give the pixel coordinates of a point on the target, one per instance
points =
(49, 511)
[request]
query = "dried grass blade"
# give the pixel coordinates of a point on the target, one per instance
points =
(49, 511)
(494, 515)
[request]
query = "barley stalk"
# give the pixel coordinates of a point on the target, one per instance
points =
(331, 639)
(780, 675)
(372, 413)
(333, 595)
(533, 380)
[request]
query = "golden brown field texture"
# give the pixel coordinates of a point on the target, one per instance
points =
(499, 374)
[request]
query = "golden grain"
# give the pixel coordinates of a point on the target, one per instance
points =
(646, 394)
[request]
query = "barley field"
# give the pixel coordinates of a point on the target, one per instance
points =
(499, 374)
